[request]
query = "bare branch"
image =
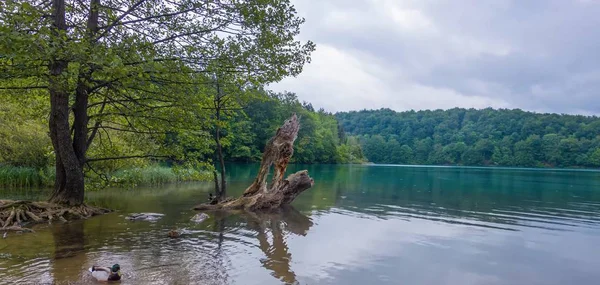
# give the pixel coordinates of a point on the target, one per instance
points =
(131, 130)
(126, 157)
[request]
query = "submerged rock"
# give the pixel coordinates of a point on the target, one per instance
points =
(144, 216)
(199, 218)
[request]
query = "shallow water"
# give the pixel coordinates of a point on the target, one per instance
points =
(357, 225)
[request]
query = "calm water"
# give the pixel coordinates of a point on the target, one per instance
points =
(357, 225)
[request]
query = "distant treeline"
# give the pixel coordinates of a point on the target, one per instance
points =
(475, 137)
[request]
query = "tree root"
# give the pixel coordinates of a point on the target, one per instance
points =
(16, 229)
(15, 214)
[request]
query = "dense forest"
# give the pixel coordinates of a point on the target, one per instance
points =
(475, 137)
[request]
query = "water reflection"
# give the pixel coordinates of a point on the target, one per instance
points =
(69, 247)
(271, 230)
(278, 225)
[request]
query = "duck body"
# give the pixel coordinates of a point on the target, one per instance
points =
(106, 274)
(173, 234)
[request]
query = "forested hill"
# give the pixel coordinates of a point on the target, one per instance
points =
(475, 137)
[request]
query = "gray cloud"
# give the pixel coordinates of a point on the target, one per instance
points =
(535, 55)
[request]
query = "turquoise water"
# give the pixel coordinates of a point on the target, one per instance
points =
(359, 224)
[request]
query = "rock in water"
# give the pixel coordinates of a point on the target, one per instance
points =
(144, 216)
(199, 218)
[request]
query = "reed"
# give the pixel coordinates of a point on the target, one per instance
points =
(156, 175)
(25, 177)
(153, 175)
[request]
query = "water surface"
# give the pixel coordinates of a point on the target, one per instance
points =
(358, 225)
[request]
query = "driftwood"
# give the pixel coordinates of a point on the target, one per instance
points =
(259, 195)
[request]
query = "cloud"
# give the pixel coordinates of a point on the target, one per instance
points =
(535, 55)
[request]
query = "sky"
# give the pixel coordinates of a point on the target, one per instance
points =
(541, 56)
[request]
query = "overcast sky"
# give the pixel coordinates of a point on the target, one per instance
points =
(535, 55)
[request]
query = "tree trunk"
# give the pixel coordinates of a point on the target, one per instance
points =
(69, 183)
(70, 152)
(221, 191)
(281, 192)
(221, 188)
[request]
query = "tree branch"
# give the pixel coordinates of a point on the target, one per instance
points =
(191, 33)
(113, 24)
(126, 157)
(96, 125)
(131, 131)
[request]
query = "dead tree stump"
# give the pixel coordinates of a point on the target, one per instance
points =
(259, 195)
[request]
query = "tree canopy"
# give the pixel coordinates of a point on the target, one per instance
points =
(475, 137)
(136, 66)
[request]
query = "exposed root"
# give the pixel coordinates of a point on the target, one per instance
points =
(15, 214)
(33, 216)
(16, 229)
(10, 219)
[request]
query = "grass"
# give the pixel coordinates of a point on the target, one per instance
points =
(154, 175)
(25, 177)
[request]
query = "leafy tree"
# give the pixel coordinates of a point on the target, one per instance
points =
(135, 65)
(594, 158)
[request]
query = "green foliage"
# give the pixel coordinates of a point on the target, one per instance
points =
(23, 138)
(318, 138)
(475, 137)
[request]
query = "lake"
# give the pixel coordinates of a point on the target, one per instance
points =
(359, 224)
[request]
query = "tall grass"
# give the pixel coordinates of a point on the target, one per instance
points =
(156, 175)
(25, 177)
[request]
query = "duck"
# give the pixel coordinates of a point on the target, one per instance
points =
(106, 274)
(173, 234)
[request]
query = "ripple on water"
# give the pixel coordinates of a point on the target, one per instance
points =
(549, 218)
(24, 271)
